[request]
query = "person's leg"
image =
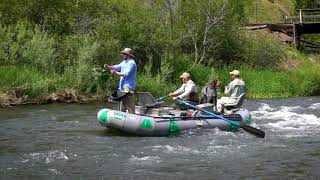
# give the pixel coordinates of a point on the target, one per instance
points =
(122, 105)
(226, 100)
(129, 103)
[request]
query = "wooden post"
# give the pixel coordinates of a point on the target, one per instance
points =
(296, 36)
(256, 11)
(300, 14)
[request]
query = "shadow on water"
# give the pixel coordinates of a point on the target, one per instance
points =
(8, 149)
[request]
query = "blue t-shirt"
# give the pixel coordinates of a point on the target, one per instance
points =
(129, 68)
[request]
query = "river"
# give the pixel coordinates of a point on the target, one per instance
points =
(65, 141)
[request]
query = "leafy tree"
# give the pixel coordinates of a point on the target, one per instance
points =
(303, 4)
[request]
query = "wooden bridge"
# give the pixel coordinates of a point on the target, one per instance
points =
(299, 25)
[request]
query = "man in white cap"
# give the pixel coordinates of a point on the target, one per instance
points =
(127, 71)
(187, 91)
(235, 88)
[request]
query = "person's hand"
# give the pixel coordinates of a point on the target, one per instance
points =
(112, 71)
(175, 98)
(170, 94)
(106, 66)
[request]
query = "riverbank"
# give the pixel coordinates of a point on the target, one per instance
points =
(17, 97)
(26, 85)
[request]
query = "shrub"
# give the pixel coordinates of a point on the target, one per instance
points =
(40, 51)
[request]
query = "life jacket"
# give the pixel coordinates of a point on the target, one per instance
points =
(193, 97)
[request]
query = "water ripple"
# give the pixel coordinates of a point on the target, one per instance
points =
(49, 157)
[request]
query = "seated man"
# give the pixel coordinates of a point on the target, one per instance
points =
(235, 88)
(187, 91)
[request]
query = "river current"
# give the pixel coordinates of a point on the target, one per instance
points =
(65, 141)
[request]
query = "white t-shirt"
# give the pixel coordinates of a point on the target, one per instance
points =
(186, 89)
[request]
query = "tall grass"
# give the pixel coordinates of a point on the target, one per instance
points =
(30, 80)
(281, 84)
(36, 83)
(261, 83)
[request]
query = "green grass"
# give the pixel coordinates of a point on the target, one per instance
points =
(281, 84)
(32, 82)
(269, 11)
(25, 78)
(262, 83)
(304, 81)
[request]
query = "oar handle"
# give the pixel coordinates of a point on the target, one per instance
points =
(182, 117)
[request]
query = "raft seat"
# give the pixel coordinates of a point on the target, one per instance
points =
(147, 100)
(237, 104)
(147, 104)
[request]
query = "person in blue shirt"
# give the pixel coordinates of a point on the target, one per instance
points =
(127, 71)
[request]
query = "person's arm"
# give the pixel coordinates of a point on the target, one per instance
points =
(177, 92)
(228, 90)
(116, 73)
(114, 69)
(110, 67)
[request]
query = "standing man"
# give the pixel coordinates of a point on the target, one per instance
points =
(187, 91)
(127, 71)
(235, 88)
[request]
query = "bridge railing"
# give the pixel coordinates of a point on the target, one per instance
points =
(305, 15)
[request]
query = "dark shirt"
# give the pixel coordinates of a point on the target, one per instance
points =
(209, 95)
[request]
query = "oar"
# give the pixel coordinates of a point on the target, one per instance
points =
(160, 98)
(249, 129)
(236, 118)
(180, 118)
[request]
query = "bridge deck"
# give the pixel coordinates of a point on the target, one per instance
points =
(294, 30)
(305, 28)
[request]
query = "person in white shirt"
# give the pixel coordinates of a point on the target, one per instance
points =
(187, 91)
(235, 88)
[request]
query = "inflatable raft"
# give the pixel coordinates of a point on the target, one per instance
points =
(165, 121)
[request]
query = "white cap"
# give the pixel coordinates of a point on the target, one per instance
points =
(235, 72)
(185, 75)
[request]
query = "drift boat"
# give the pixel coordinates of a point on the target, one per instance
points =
(152, 119)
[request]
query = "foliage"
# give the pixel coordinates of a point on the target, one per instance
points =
(260, 51)
(40, 52)
(71, 40)
(272, 84)
(305, 4)
(268, 11)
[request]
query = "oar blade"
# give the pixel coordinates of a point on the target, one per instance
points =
(257, 132)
